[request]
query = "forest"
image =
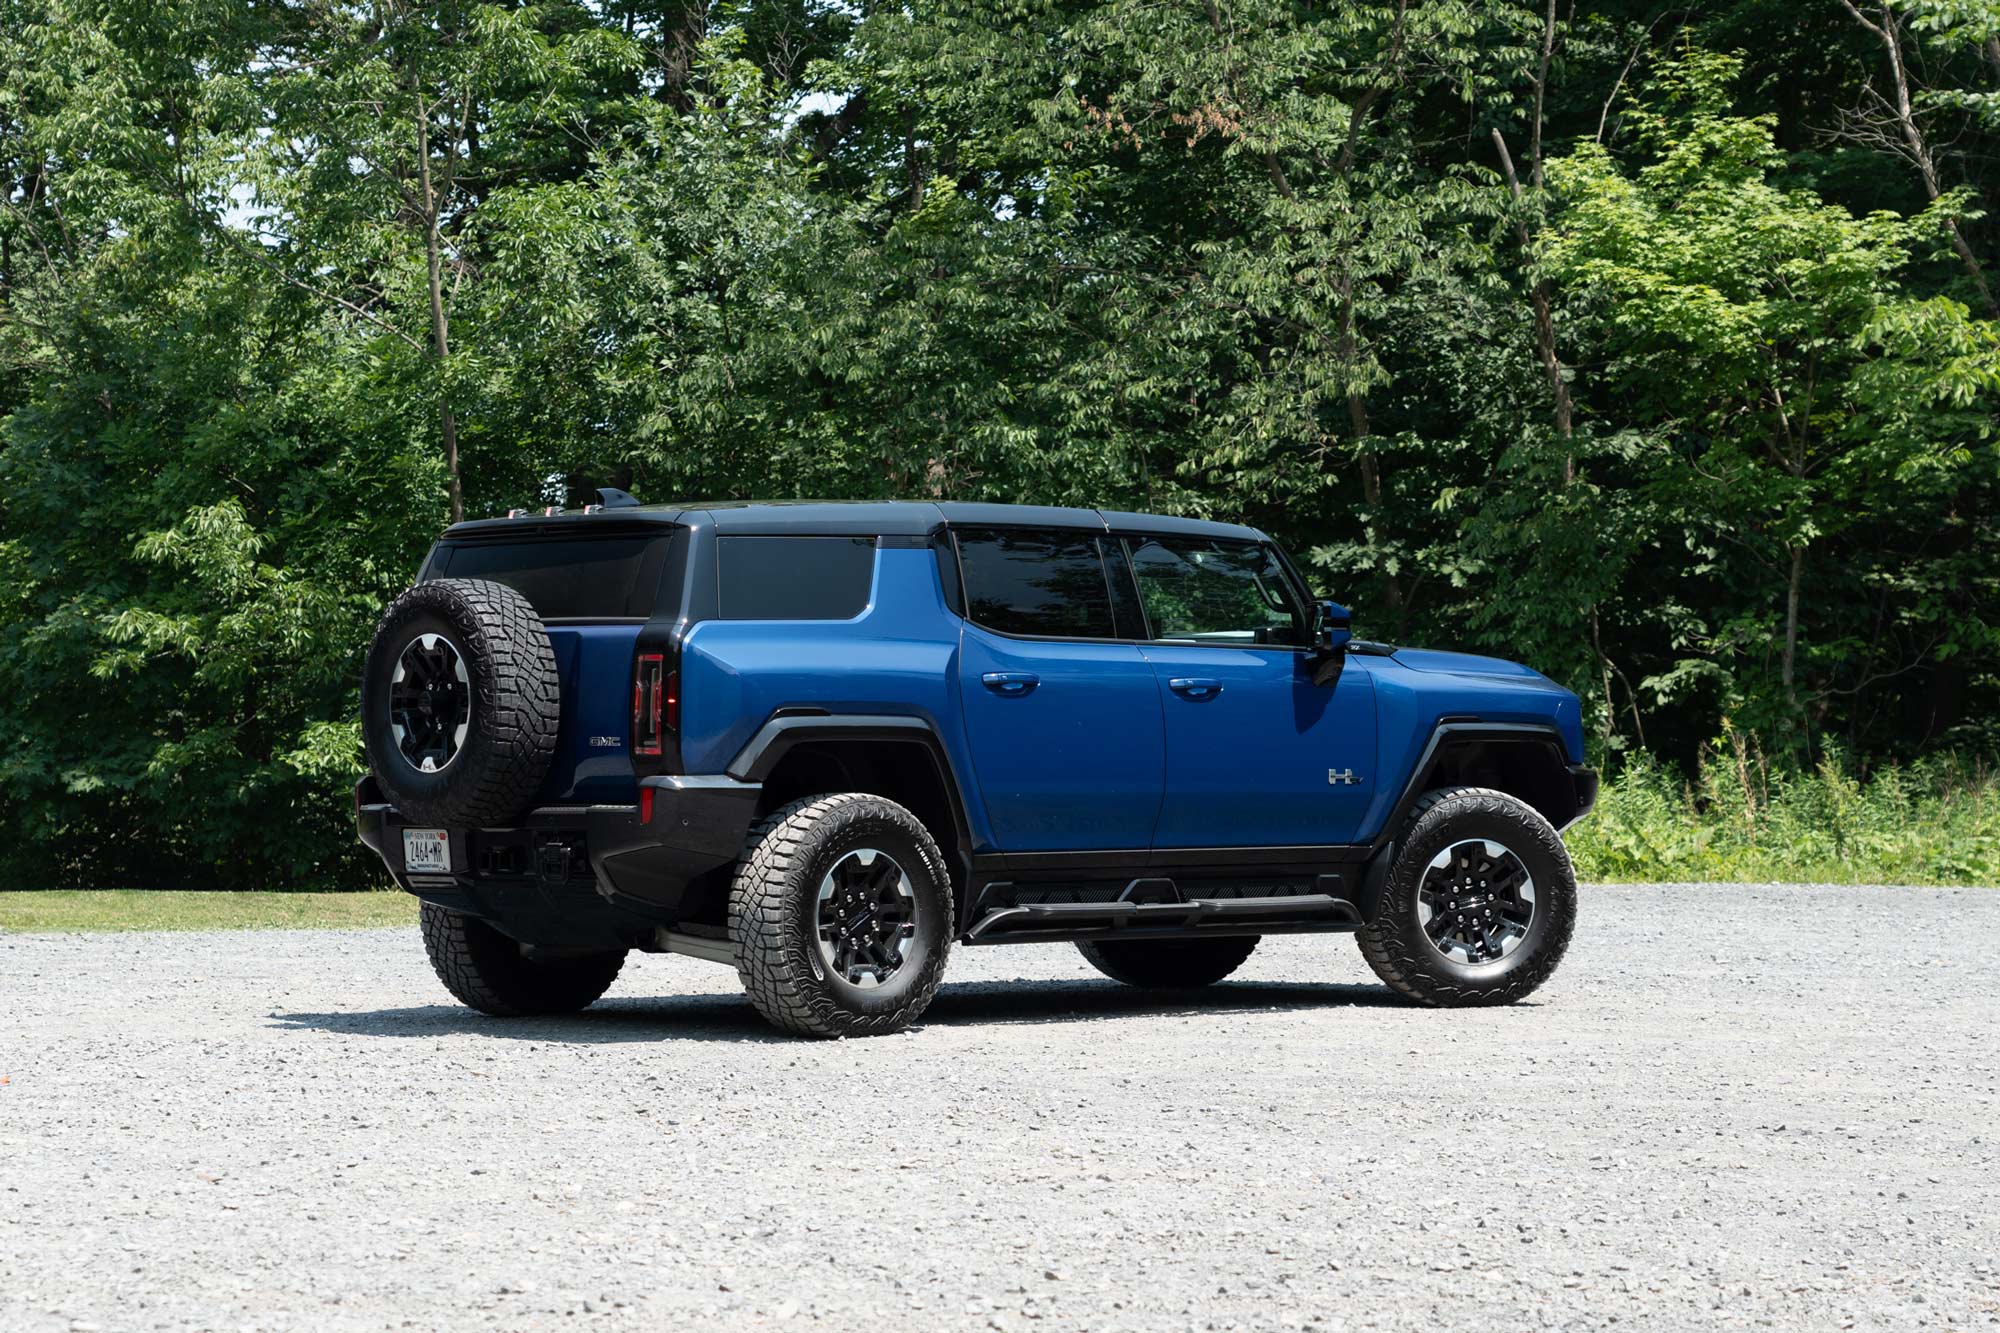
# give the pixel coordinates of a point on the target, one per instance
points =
(1654, 345)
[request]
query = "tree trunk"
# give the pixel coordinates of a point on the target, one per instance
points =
(1545, 328)
(440, 334)
(1788, 671)
(1890, 33)
(1357, 424)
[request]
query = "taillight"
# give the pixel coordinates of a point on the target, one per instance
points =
(649, 704)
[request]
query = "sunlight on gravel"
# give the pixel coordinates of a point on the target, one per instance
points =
(1767, 1106)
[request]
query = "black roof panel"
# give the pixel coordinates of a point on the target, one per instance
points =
(862, 518)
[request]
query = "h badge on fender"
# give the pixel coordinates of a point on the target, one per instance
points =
(1342, 777)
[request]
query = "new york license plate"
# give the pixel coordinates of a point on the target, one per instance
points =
(427, 851)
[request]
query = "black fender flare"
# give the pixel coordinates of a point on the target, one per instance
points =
(785, 731)
(1452, 732)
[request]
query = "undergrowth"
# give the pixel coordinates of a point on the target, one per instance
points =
(1935, 822)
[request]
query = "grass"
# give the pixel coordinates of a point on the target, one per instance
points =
(163, 909)
(1936, 822)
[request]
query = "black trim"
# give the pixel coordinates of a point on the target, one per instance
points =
(761, 754)
(1452, 732)
(1083, 864)
(581, 875)
(1183, 919)
(1003, 884)
(1586, 782)
(1128, 610)
(950, 580)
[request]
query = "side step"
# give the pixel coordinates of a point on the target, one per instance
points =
(1287, 914)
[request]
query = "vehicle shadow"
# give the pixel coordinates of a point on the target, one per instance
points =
(729, 1018)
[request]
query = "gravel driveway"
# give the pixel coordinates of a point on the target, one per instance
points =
(1733, 1106)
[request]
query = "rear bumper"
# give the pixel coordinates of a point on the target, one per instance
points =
(578, 875)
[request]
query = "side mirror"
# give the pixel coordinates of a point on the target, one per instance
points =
(1334, 630)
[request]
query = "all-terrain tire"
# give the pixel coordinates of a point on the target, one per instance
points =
(1394, 940)
(774, 906)
(489, 971)
(515, 703)
(1168, 964)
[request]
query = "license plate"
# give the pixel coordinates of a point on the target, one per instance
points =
(426, 851)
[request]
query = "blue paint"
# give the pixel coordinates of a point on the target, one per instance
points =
(898, 657)
(1069, 746)
(1074, 763)
(1247, 764)
(594, 663)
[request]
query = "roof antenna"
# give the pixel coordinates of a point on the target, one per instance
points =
(610, 497)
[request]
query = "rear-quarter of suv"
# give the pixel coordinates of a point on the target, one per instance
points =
(824, 743)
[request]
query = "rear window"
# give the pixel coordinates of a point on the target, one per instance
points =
(1048, 584)
(794, 578)
(609, 577)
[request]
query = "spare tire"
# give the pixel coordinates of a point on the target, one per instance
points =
(460, 703)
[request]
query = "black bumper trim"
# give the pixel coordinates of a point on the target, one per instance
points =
(637, 870)
(1585, 779)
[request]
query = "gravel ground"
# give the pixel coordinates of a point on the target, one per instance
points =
(1756, 1106)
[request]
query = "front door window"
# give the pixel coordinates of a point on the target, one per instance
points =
(1216, 592)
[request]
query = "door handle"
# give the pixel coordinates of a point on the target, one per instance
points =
(1195, 687)
(1010, 682)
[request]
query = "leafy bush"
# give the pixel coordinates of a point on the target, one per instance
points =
(1936, 822)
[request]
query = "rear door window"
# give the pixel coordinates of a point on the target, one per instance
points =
(612, 576)
(794, 578)
(1045, 584)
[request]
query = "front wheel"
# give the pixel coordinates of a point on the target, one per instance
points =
(1480, 902)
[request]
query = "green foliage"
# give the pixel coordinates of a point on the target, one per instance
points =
(260, 262)
(1738, 821)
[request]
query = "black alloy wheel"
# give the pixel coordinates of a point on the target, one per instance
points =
(1476, 902)
(430, 702)
(1479, 903)
(865, 913)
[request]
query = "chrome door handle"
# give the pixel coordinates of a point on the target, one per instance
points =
(1010, 682)
(1195, 687)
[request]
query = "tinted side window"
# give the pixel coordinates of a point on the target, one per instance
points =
(1198, 591)
(795, 578)
(1042, 583)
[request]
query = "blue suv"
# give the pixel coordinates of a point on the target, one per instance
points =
(822, 743)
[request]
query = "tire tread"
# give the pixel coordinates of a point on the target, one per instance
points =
(520, 712)
(764, 895)
(485, 970)
(1403, 963)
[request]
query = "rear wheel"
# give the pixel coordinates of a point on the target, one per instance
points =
(1480, 903)
(496, 975)
(841, 916)
(1168, 964)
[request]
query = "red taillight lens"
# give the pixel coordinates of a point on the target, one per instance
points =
(649, 704)
(672, 713)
